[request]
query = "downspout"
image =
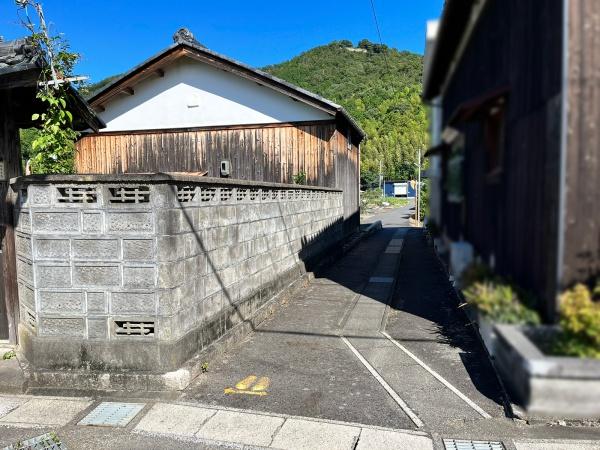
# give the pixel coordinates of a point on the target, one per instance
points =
(562, 214)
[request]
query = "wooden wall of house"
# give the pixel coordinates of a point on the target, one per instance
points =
(512, 221)
(10, 155)
(273, 153)
(582, 196)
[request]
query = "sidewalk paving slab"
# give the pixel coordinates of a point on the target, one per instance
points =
(8, 403)
(45, 412)
(298, 434)
(241, 428)
(371, 439)
(174, 419)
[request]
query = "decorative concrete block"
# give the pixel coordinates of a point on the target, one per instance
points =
(23, 221)
(93, 222)
(170, 248)
(61, 302)
(219, 258)
(211, 305)
(23, 246)
(97, 328)
(26, 295)
(132, 303)
(212, 284)
(39, 195)
(138, 249)
(96, 276)
(74, 327)
(52, 248)
(204, 217)
(226, 215)
(53, 276)
(139, 277)
(193, 244)
(130, 222)
(96, 303)
(169, 221)
(56, 222)
(171, 274)
(96, 249)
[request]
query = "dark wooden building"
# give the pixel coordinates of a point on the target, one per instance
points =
(519, 90)
(20, 68)
(189, 109)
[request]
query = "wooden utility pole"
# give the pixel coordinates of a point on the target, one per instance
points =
(419, 189)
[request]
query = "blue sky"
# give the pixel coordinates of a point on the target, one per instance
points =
(113, 36)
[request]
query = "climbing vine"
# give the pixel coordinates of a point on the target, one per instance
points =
(53, 147)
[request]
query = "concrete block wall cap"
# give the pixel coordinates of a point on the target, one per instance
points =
(539, 365)
(156, 178)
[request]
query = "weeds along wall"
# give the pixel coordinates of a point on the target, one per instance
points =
(141, 272)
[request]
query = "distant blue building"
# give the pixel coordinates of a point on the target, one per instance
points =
(400, 188)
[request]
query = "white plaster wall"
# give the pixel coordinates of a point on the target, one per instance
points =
(194, 94)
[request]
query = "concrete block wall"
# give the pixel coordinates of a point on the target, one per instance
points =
(141, 273)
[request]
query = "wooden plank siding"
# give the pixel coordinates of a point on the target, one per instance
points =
(10, 154)
(581, 257)
(272, 153)
(512, 220)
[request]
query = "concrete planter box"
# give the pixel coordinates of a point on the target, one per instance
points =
(547, 386)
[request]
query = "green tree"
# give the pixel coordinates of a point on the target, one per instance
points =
(52, 148)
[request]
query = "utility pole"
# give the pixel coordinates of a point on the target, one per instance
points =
(381, 177)
(419, 190)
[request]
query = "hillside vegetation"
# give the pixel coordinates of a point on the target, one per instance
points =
(380, 87)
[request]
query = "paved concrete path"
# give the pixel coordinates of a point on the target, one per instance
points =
(372, 354)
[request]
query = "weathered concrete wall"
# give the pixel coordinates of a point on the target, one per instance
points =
(142, 272)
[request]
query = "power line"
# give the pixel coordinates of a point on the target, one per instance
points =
(379, 34)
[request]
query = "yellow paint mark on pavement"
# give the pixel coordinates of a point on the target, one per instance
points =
(250, 386)
(261, 385)
(246, 383)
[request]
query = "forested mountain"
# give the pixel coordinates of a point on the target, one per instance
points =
(380, 87)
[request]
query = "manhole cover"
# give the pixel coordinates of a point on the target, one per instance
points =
(112, 414)
(48, 441)
(457, 444)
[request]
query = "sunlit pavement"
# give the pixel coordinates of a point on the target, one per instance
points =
(372, 354)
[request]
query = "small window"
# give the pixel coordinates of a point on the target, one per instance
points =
(493, 133)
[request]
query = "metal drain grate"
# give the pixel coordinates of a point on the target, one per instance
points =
(458, 444)
(112, 414)
(48, 441)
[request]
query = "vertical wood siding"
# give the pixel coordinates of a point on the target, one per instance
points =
(10, 154)
(273, 153)
(581, 259)
(517, 44)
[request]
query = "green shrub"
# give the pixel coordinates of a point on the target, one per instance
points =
(474, 273)
(579, 322)
(433, 228)
(300, 178)
(500, 302)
